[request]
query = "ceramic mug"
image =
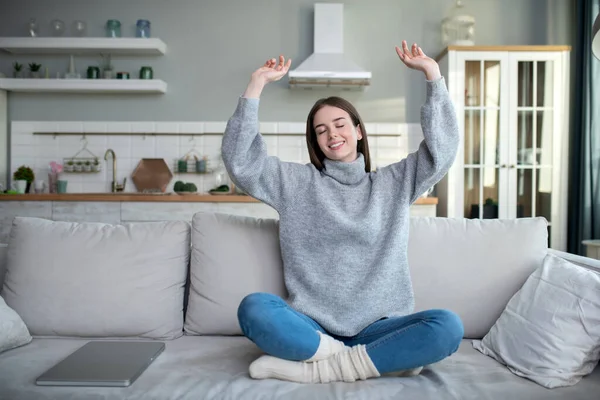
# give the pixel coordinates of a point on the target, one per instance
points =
(19, 185)
(39, 186)
(61, 186)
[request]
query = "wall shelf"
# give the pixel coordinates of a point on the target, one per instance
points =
(85, 45)
(148, 86)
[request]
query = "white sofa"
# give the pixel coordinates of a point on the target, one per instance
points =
(73, 282)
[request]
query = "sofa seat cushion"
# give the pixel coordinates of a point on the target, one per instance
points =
(211, 367)
(98, 280)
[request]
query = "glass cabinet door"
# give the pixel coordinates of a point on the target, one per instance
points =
(532, 147)
(482, 139)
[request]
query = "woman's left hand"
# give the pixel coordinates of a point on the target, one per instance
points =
(416, 59)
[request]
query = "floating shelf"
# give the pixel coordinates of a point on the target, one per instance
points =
(84, 85)
(78, 46)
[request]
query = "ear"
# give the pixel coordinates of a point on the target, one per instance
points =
(359, 134)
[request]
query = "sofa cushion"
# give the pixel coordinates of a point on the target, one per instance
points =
(98, 280)
(550, 330)
(13, 331)
(231, 256)
(473, 267)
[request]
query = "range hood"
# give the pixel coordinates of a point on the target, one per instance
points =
(328, 67)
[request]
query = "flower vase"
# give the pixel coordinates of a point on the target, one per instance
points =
(52, 179)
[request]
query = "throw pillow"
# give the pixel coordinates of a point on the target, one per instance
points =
(549, 331)
(13, 332)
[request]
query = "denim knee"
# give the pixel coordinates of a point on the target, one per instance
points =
(450, 330)
(251, 306)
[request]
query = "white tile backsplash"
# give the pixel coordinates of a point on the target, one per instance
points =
(94, 127)
(67, 126)
(119, 127)
(143, 127)
(190, 127)
(283, 139)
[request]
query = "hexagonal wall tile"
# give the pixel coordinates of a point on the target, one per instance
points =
(152, 175)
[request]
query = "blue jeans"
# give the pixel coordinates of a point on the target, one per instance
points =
(393, 344)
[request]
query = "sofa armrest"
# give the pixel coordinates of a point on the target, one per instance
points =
(582, 261)
(3, 251)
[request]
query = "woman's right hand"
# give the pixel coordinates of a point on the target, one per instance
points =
(272, 71)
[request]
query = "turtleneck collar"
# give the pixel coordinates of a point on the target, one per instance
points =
(347, 173)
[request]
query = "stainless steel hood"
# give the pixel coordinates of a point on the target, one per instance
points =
(328, 66)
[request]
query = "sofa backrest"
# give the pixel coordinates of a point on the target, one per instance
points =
(89, 279)
(472, 267)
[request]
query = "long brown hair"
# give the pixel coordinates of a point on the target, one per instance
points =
(314, 151)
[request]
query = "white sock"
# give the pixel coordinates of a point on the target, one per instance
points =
(349, 365)
(328, 346)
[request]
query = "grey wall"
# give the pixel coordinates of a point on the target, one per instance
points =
(213, 46)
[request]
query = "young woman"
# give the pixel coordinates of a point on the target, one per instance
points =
(344, 236)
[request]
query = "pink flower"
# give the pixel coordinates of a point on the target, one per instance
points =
(55, 167)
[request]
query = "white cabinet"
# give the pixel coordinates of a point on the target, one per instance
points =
(512, 109)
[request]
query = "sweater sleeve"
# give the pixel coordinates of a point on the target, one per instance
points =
(425, 167)
(244, 153)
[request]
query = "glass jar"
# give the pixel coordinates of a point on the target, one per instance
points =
(146, 73)
(221, 175)
(142, 28)
(113, 28)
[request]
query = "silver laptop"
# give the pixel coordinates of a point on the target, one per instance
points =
(103, 363)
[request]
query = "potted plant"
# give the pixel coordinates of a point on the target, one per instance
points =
(17, 70)
(34, 70)
(70, 166)
(87, 166)
(78, 166)
(96, 166)
(24, 173)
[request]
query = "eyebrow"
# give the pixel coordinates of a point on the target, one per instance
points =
(335, 120)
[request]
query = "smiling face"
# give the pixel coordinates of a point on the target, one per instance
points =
(334, 130)
(336, 134)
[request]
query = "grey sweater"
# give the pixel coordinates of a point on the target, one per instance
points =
(343, 231)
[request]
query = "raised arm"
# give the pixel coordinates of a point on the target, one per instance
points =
(244, 151)
(425, 167)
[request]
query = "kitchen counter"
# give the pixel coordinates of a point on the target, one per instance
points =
(148, 197)
(116, 208)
